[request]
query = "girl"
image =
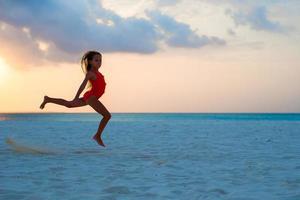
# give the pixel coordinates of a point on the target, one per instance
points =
(90, 63)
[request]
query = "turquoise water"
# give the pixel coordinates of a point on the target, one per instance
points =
(150, 156)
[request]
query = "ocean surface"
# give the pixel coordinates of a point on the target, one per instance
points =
(150, 156)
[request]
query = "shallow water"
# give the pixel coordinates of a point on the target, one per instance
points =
(151, 156)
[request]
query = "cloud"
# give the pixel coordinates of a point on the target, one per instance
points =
(24, 49)
(73, 28)
(166, 2)
(20, 50)
(60, 30)
(231, 32)
(178, 34)
(257, 18)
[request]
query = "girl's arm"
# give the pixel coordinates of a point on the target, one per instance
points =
(83, 84)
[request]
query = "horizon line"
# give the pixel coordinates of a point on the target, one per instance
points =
(151, 113)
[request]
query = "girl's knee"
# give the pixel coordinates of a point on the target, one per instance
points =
(69, 104)
(107, 116)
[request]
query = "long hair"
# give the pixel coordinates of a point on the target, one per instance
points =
(85, 65)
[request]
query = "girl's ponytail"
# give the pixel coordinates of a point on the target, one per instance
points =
(85, 65)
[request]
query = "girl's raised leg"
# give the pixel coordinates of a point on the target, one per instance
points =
(69, 104)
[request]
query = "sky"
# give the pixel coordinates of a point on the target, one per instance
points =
(158, 55)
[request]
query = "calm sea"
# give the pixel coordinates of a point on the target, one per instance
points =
(150, 156)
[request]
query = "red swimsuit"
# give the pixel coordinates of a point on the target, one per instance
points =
(98, 87)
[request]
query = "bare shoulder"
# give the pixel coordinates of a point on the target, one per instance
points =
(90, 75)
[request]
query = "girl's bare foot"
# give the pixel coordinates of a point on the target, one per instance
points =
(98, 139)
(44, 102)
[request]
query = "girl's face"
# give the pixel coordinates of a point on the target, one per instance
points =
(96, 61)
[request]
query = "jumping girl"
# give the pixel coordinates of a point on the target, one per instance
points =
(90, 63)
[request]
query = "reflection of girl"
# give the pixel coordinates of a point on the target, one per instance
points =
(90, 62)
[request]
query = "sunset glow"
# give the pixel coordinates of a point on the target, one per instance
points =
(158, 56)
